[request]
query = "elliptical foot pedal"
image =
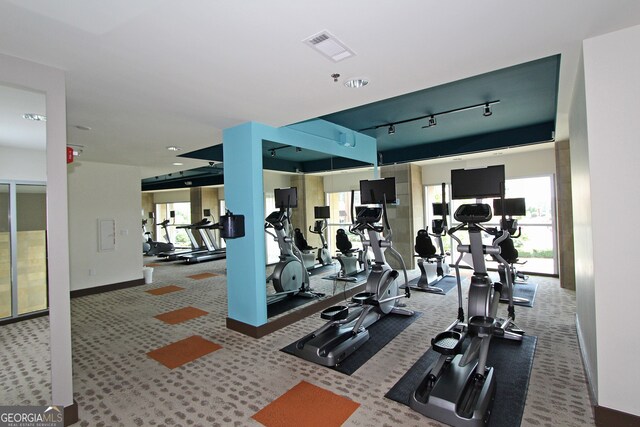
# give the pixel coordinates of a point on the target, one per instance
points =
(447, 342)
(481, 325)
(362, 297)
(337, 312)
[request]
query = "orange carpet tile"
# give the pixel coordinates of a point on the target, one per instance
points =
(183, 351)
(164, 290)
(202, 276)
(181, 315)
(309, 406)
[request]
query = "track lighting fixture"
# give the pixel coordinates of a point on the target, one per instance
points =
(298, 149)
(273, 153)
(391, 127)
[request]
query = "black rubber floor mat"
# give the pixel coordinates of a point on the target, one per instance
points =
(355, 278)
(380, 334)
(525, 290)
(331, 268)
(512, 362)
(446, 284)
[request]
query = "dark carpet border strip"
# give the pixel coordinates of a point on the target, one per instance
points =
(22, 317)
(610, 417)
(106, 288)
(71, 414)
(294, 316)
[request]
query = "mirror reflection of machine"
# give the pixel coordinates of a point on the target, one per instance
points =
(289, 276)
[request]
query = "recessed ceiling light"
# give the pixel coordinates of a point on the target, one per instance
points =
(173, 148)
(177, 164)
(356, 83)
(82, 127)
(35, 117)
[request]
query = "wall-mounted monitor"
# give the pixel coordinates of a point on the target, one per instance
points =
(483, 183)
(286, 197)
(512, 207)
(322, 212)
(377, 191)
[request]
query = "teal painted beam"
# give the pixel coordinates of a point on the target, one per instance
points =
(244, 195)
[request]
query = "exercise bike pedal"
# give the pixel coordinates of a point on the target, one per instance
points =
(481, 325)
(447, 342)
(337, 312)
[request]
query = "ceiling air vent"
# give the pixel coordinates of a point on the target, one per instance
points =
(328, 45)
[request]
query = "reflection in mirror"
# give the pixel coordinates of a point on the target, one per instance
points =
(23, 257)
(305, 239)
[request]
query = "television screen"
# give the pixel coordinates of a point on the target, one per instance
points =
(437, 209)
(480, 183)
(376, 191)
(286, 197)
(512, 207)
(321, 212)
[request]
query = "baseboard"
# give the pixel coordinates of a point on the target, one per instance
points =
(106, 288)
(586, 366)
(71, 414)
(20, 318)
(294, 316)
(610, 417)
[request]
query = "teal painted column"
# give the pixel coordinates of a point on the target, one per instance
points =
(243, 192)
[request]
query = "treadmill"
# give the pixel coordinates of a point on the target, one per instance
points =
(212, 251)
(195, 247)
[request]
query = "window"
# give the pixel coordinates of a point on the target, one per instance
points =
(537, 244)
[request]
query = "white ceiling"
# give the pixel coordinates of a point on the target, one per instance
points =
(15, 131)
(147, 74)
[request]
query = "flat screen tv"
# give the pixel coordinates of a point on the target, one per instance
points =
(286, 197)
(377, 191)
(483, 183)
(512, 207)
(321, 212)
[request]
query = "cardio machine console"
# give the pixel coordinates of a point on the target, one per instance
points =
(368, 215)
(473, 213)
(276, 218)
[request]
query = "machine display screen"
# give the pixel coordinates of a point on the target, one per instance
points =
(376, 191)
(480, 183)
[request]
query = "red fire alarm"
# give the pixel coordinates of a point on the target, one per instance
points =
(69, 155)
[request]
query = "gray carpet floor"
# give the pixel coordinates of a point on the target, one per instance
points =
(115, 383)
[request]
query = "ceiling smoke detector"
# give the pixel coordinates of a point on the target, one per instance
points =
(329, 45)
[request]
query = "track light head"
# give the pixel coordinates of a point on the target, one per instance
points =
(487, 110)
(392, 129)
(273, 153)
(432, 121)
(298, 149)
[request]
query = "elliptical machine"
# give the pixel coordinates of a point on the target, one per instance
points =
(289, 276)
(157, 247)
(432, 264)
(346, 329)
(459, 389)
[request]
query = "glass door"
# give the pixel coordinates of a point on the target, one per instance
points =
(23, 249)
(5, 254)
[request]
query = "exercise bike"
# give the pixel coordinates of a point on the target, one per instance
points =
(307, 252)
(512, 207)
(289, 276)
(321, 214)
(459, 388)
(347, 326)
(352, 261)
(432, 260)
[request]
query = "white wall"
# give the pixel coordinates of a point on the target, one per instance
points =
(273, 180)
(345, 181)
(612, 67)
(176, 196)
(582, 231)
(23, 165)
(104, 191)
(518, 165)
